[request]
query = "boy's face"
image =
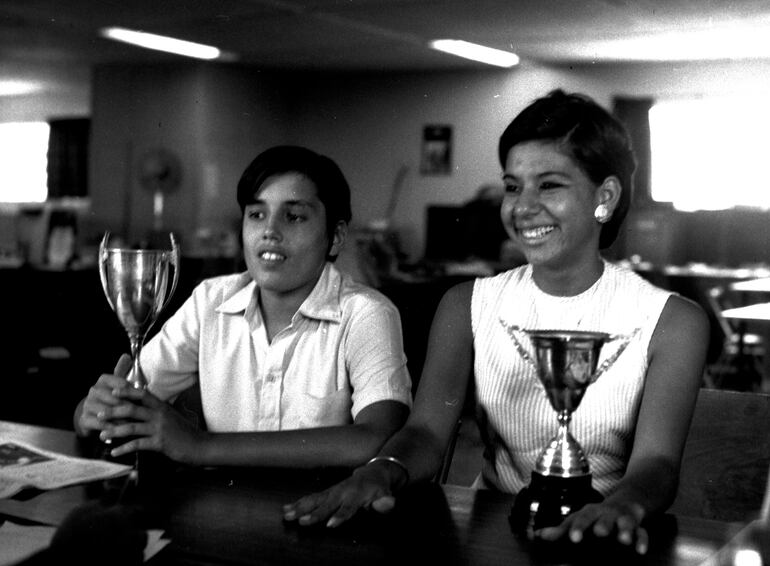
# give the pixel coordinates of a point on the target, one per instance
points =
(284, 236)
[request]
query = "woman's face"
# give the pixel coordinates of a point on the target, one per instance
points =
(548, 208)
(284, 236)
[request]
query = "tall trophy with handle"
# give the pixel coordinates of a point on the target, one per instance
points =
(138, 284)
(566, 363)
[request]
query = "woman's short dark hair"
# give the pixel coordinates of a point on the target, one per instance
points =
(597, 142)
(333, 189)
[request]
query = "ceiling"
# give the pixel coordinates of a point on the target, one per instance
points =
(39, 37)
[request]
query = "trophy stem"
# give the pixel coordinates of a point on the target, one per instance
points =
(572, 461)
(136, 377)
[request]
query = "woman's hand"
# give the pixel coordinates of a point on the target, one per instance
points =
(368, 488)
(621, 520)
(101, 398)
(157, 426)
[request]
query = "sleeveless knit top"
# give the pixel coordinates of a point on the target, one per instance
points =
(514, 415)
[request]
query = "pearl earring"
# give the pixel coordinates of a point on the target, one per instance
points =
(602, 213)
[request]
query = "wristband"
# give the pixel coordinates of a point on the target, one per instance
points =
(392, 460)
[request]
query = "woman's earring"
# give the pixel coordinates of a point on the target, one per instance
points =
(602, 213)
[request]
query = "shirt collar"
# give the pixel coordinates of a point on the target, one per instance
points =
(241, 299)
(323, 302)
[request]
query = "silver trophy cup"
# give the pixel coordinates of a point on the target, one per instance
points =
(138, 284)
(566, 362)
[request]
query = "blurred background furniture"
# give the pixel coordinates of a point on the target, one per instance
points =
(740, 364)
(60, 335)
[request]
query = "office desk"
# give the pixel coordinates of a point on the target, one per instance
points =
(761, 285)
(759, 311)
(234, 517)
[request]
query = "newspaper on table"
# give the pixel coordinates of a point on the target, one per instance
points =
(23, 465)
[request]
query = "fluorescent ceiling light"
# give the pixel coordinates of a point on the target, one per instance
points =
(476, 52)
(724, 43)
(162, 43)
(17, 88)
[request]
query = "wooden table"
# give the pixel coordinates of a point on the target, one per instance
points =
(234, 517)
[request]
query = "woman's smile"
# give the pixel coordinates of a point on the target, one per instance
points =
(537, 234)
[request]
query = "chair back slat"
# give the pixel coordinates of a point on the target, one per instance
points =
(727, 456)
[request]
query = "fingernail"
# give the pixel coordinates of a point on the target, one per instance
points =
(333, 522)
(304, 520)
(289, 515)
(641, 548)
(575, 536)
(101, 415)
(601, 531)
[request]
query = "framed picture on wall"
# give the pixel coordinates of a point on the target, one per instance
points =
(436, 157)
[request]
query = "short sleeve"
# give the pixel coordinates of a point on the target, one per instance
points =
(374, 354)
(170, 359)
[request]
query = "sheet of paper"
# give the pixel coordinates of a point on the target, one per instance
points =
(18, 542)
(24, 465)
(155, 543)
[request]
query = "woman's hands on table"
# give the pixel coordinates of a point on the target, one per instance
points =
(619, 520)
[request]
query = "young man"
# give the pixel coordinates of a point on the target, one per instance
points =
(298, 366)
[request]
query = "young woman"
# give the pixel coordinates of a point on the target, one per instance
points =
(567, 172)
(297, 365)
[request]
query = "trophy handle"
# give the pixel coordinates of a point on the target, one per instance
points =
(100, 262)
(174, 257)
(625, 340)
(512, 329)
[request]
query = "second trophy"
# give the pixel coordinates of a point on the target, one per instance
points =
(566, 362)
(138, 284)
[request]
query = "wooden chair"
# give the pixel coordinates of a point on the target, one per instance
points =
(727, 456)
(446, 464)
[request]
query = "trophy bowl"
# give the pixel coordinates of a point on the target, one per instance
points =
(138, 284)
(566, 362)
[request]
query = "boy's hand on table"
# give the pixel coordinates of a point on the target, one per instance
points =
(158, 426)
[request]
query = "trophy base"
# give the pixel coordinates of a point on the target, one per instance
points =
(547, 500)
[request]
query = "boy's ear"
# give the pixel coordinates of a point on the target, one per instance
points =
(338, 238)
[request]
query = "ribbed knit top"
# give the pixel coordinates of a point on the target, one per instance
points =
(515, 417)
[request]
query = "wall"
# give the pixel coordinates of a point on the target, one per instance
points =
(214, 119)
(373, 127)
(67, 94)
(732, 237)
(219, 117)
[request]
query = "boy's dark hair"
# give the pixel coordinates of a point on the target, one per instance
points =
(333, 189)
(597, 142)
